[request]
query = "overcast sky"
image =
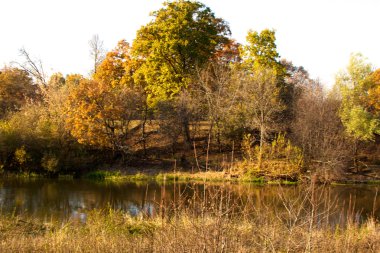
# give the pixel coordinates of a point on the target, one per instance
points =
(317, 34)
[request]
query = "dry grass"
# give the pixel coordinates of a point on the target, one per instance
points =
(121, 233)
(216, 224)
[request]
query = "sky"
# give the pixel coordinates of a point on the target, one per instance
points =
(319, 35)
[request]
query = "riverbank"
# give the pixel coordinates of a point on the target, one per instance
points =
(148, 175)
(209, 176)
(211, 231)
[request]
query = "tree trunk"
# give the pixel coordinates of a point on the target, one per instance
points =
(186, 131)
(356, 166)
(143, 137)
(261, 146)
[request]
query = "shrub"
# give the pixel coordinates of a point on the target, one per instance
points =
(279, 159)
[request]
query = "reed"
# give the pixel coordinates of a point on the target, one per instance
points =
(205, 223)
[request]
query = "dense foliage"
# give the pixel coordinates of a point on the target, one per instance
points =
(185, 90)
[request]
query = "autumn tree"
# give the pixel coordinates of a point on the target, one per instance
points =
(16, 87)
(38, 128)
(359, 122)
(373, 96)
(218, 93)
(55, 99)
(263, 87)
(182, 36)
(100, 115)
(119, 69)
(228, 53)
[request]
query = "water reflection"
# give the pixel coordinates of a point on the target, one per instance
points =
(72, 199)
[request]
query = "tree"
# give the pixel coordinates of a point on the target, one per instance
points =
(97, 51)
(358, 121)
(56, 81)
(100, 115)
(34, 68)
(260, 102)
(183, 35)
(118, 67)
(228, 53)
(38, 127)
(373, 99)
(16, 87)
(217, 92)
(317, 129)
(261, 51)
(298, 77)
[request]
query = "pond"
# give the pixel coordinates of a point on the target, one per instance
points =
(73, 199)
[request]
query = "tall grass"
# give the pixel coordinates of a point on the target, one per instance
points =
(202, 222)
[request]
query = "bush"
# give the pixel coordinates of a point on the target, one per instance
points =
(280, 159)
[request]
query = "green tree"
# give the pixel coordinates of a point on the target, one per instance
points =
(260, 54)
(261, 51)
(182, 36)
(359, 123)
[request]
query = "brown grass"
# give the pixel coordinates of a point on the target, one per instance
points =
(212, 225)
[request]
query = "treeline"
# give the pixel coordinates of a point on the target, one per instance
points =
(185, 90)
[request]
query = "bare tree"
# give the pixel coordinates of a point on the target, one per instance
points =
(97, 51)
(260, 102)
(33, 67)
(215, 89)
(317, 129)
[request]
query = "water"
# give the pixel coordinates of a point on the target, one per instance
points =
(73, 199)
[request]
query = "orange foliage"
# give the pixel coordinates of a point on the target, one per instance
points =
(374, 92)
(118, 66)
(100, 115)
(228, 53)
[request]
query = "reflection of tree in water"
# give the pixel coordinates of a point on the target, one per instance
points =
(48, 199)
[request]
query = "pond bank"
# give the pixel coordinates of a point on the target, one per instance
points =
(218, 176)
(182, 177)
(164, 172)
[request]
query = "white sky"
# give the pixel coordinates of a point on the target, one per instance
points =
(317, 34)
